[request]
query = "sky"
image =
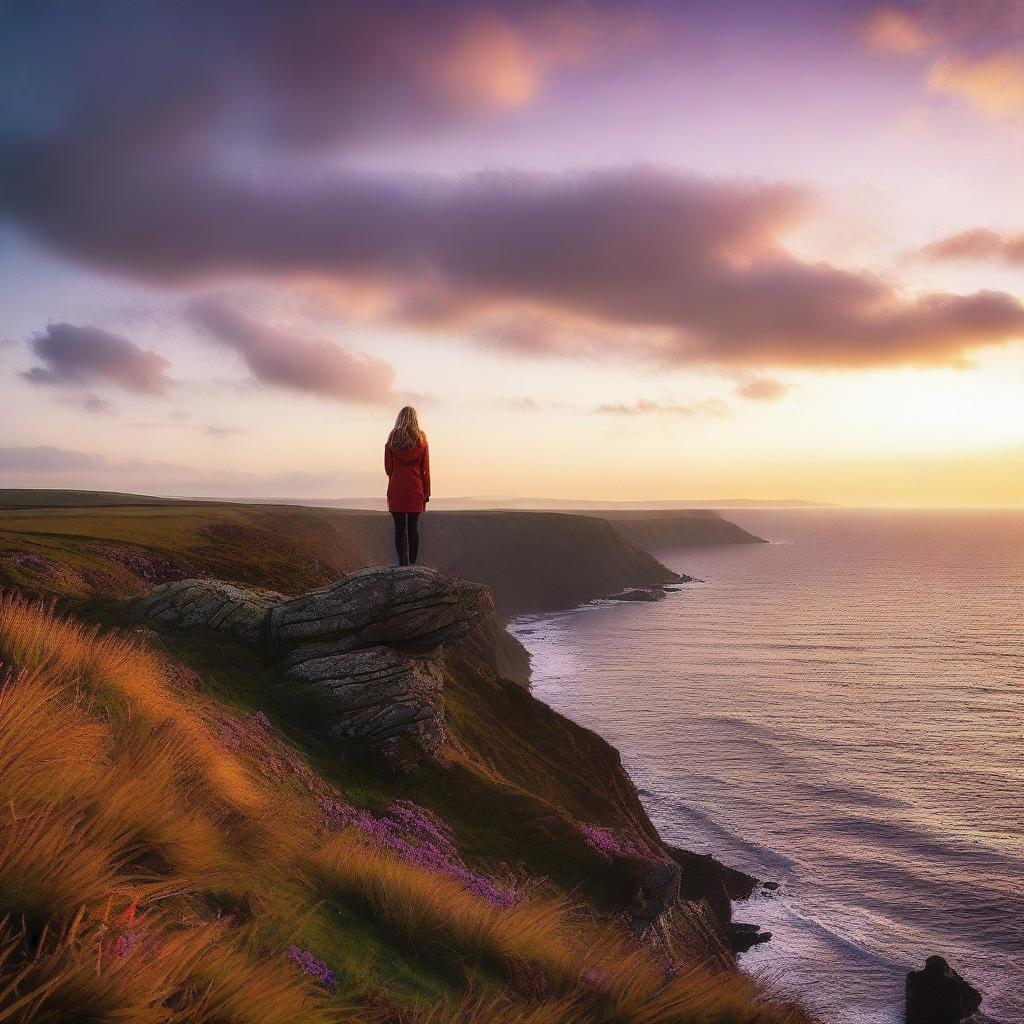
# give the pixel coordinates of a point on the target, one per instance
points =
(609, 250)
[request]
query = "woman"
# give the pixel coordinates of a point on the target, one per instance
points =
(407, 464)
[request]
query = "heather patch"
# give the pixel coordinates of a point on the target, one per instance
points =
(418, 837)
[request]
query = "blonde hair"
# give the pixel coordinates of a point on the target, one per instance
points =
(407, 433)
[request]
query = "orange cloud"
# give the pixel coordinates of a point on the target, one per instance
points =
(993, 85)
(491, 62)
(646, 407)
(889, 30)
(762, 389)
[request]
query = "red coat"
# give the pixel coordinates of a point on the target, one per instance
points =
(408, 473)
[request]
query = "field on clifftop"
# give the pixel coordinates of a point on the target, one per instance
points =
(180, 845)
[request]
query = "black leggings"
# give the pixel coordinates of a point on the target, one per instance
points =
(407, 536)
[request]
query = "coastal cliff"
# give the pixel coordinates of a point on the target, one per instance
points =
(533, 561)
(665, 530)
(379, 804)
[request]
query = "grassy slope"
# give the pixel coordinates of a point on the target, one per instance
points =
(189, 807)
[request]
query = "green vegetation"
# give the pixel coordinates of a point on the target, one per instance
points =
(178, 846)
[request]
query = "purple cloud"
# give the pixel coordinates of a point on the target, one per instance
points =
(977, 244)
(283, 359)
(74, 355)
(157, 181)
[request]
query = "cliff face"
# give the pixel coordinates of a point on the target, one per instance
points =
(533, 561)
(539, 561)
(383, 663)
(656, 531)
(360, 654)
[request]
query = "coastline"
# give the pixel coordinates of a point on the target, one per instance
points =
(725, 888)
(842, 920)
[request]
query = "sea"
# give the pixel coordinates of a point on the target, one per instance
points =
(841, 711)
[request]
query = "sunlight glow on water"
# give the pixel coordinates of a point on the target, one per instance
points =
(842, 711)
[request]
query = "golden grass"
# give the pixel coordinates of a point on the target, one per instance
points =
(49, 747)
(127, 827)
(434, 915)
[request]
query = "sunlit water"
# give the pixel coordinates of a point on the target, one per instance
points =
(841, 710)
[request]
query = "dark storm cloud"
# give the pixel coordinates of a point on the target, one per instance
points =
(303, 74)
(287, 360)
(977, 244)
(176, 142)
(73, 355)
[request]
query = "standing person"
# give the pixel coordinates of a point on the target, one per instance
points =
(407, 464)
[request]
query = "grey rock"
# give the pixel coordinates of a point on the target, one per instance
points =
(240, 612)
(412, 608)
(743, 936)
(362, 651)
(657, 890)
(373, 694)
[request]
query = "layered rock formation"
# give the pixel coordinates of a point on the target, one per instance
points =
(363, 650)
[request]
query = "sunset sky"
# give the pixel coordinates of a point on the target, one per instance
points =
(610, 251)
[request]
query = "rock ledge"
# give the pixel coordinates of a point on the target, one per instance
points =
(362, 650)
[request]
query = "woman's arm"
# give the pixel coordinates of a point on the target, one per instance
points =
(426, 472)
(389, 462)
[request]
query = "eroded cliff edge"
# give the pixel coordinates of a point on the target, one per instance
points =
(379, 666)
(517, 780)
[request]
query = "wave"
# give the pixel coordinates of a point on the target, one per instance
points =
(666, 812)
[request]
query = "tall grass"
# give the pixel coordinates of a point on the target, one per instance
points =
(434, 915)
(150, 873)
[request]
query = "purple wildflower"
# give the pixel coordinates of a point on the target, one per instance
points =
(418, 837)
(125, 943)
(309, 964)
(609, 843)
(120, 947)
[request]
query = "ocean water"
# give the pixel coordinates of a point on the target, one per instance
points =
(842, 711)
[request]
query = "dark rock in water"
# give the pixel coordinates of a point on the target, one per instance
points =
(361, 651)
(938, 995)
(771, 886)
(743, 936)
(704, 878)
(681, 578)
(639, 594)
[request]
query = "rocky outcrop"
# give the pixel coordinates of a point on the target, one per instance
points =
(708, 880)
(938, 995)
(410, 608)
(211, 604)
(362, 651)
(379, 697)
